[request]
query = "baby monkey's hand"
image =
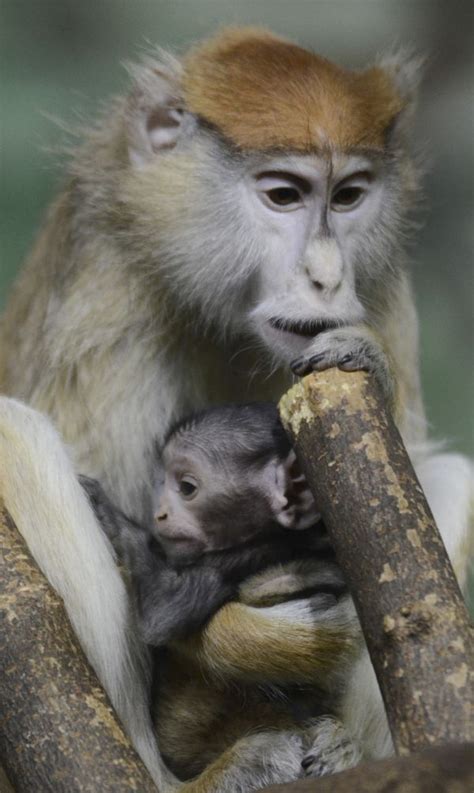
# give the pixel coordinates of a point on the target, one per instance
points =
(320, 581)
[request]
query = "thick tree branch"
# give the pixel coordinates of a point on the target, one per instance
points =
(444, 768)
(58, 732)
(410, 607)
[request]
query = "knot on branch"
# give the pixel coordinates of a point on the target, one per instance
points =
(410, 622)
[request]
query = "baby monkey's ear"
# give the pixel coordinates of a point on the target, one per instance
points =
(291, 500)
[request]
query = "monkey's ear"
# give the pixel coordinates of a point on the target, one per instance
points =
(404, 68)
(291, 500)
(156, 118)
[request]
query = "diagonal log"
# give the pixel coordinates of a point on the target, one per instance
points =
(58, 731)
(411, 610)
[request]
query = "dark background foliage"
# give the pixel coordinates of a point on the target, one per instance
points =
(59, 58)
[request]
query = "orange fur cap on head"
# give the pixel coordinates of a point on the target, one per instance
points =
(263, 92)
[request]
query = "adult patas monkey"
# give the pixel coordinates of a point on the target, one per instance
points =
(239, 211)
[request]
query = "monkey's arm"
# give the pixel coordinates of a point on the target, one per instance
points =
(175, 604)
(297, 641)
(113, 521)
(129, 538)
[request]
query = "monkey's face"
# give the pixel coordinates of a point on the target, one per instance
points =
(272, 211)
(207, 507)
(318, 218)
(177, 521)
(275, 247)
(212, 500)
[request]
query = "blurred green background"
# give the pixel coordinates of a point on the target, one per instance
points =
(60, 58)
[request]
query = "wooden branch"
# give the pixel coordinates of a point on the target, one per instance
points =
(409, 604)
(58, 731)
(444, 768)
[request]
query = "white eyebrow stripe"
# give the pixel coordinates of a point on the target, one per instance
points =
(333, 166)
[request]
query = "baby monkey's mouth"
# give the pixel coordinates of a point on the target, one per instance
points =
(308, 328)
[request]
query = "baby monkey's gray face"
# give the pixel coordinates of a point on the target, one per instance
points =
(213, 499)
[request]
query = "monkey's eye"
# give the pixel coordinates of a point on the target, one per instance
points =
(349, 195)
(281, 192)
(283, 196)
(188, 487)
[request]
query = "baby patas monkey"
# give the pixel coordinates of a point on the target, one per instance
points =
(233, 504)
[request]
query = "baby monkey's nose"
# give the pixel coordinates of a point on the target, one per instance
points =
(161, 515)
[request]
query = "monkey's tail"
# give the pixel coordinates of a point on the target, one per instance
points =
(52, 512)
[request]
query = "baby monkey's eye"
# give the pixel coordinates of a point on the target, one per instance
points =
(188, 487)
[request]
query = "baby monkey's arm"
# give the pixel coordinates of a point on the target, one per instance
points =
(170, 603)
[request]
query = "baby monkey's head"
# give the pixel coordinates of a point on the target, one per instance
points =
(231, 477)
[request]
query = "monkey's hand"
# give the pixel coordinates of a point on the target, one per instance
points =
(297, 579)
(351, 349)
(105, 511)
(329, 748)
(129, 539)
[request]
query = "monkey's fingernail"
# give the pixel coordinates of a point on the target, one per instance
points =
(307, 761)
(300, 366)
(319, 363)
(352, 366)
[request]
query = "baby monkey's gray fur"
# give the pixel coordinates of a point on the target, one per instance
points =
(232, 504)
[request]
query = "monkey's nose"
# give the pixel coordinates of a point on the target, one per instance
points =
(162, 515)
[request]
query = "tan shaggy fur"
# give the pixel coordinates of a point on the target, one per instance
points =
(262, 92)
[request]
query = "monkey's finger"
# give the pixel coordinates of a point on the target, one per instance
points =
(300, 366)
(351, 364)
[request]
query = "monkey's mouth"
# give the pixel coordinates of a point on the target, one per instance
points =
(307, 328)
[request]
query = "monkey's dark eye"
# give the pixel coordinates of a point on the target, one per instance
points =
(346, 197)
(188, 487)
(351, 193)
(282, 192)
(284, 196)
